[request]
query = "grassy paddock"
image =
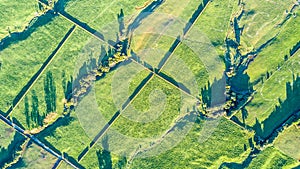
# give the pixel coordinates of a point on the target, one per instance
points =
(15, 15)
(64, 61)
(260, 20)
(267, 93)
(96, 11)
(22, 60)
(35, 157)
(272, 158)
(273, 55)
(93, 160)
(186, 67)
(66, 136)
(214, 23)
(226, 144)
(143, 107)
(70, 137)
(288, 141)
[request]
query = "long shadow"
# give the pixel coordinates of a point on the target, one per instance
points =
(194, 17)
(38, 73)
(144, 14)
(8, 154)
(34, 24)
(174, 82)
(283, 115)
(169, 53)
(104, 156)
(244, 164)
(49, 131)
(86, 27)
(56, 164)
(214, 94)
(295, 49)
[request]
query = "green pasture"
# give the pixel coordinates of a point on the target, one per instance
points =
(15, 15)
(21, 60)
(94, 159)
(226, 144)
(272, 158)
(151, 112)
(273, 55)
(288, 141)
(261, 19)
(213, 24)
(101, 15)
(35, 157)
(269, 92)
(10, 144)
(62, 68)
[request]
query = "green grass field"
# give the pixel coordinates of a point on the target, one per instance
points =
(109, 101)
(187, 67)
(161, 120)
(226, 144)
(94, 17)
(260, 20)
(93, 160)
(10, 142)
(272, 158)
(66, 136)
(267, 95)
(213, 23)
(288, 141)
(22, 11)
(21, 60)
(71, 56)
(35, 157)
(273, 55)
(141, 110)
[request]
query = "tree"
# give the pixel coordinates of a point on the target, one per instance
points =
(121, 22)
(34, 108)
(50, 93)
(267, 75)
(104, 157)
(286, 57)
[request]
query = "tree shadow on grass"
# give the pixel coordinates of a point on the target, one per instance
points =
(284, 114)
(8, 154)
(20, 36)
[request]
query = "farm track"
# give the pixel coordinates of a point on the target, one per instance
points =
(175, 44)
(36, 76)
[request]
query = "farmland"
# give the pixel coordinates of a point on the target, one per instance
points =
(149, 84)
(22, 10)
